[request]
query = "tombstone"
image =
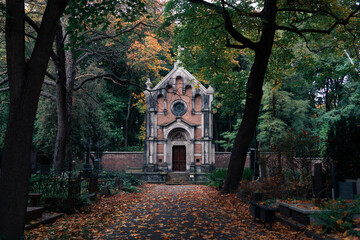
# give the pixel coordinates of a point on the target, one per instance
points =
(357, 182)
(254, 165)
(317, 180)
(119, 183)
(346, 190)
(93, 184)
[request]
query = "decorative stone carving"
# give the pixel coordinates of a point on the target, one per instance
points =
(178, 137)
(178, 108)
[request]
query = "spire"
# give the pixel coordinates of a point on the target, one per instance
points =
(210, 90)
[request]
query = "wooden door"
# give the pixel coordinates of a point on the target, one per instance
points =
(179, 158)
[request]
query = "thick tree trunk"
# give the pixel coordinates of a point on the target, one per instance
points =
(253, 99)
(25, 79)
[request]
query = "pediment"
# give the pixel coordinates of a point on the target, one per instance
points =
(178, 120)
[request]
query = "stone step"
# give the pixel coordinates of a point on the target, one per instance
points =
(45, 219)
(184, 178)
(178, 183)
(33, 213)
(178, 176)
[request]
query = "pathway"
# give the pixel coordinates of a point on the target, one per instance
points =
(190, 212)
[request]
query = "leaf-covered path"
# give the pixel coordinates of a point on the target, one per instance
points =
(164, 212)
(191, 212)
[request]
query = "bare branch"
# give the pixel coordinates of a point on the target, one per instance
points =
(109, 76)
(49, 75)
(50, 83)
(4, 89)
(4, 81)
(48, 95)
(93, 78)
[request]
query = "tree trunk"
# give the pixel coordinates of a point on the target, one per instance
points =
(25, 79)
(64, 96)
(70, 80)
(60, 144)
(126, 134)
(216, 135)
(253, 99)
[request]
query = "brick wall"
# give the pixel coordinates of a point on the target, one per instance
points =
(222, 159)
(119, 161)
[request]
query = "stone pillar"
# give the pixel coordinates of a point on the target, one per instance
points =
(165, 151)
(192, 151)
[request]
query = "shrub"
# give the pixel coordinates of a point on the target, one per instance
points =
(130, 182)
(338, 215)
(247, 174)
(218, 176)
(127, 178)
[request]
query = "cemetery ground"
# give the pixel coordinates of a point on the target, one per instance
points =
(164, 212)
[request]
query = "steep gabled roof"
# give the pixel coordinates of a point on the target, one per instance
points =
(176, 71)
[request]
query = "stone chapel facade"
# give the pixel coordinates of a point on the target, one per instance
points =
(179, 125)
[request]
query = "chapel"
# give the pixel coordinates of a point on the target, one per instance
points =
(179, 124)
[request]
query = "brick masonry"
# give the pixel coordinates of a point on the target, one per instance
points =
(120, 161)
(222, 159)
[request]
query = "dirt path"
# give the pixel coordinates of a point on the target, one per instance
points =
(190, 212)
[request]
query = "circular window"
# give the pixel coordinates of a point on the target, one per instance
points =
(178, 108)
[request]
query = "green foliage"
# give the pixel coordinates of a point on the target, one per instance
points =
(128, 179)
(338, 215)
(217, 177)
(343, 146)
(282, 112)
(99, 15)
(229, 137)
(247, 174)
(4, 112)
(45, 127)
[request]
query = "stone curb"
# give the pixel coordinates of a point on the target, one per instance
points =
(300, 227)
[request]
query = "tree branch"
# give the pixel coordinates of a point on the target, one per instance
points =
(4, 81)
(4, 89)
(50, 83)
(93, 78)
(48, 95)
(49, 75)
(338, 21)
(247, 43)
